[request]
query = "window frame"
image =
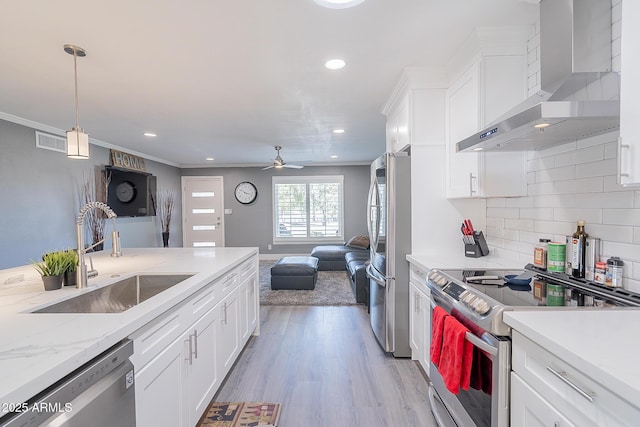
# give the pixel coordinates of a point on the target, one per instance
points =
(307, 180)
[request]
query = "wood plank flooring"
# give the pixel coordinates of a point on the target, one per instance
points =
(325, 366)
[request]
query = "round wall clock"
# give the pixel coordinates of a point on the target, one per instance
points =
(246, 193)
(126, 191)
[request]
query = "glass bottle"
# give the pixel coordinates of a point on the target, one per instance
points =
(578, 243)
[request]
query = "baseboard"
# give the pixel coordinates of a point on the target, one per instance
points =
(277, 256)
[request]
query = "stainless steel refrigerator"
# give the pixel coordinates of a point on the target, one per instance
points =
(389, 225)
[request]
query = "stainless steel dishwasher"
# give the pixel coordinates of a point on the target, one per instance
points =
(99, 393)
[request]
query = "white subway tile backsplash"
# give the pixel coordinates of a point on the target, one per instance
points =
(614, 233)
(553, 200)
(611, 150)
(540, 163)
(626, 251)
(554, 228)
(589, 185)
(621, 216)
(496, 202)
(536, 213)
(551, 151)
(495, 222)
(503, 213)
(556, 174)
(622, 199)
(519, 202)
(599, 168)
(519, 224)
(575, 214)
(611, 184)
(531, 177)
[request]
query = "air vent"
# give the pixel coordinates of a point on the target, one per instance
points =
(51, 142)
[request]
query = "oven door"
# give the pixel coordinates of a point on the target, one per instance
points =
(487, 405)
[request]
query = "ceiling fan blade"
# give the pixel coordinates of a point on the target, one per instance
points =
(268, 167)
(286, 165)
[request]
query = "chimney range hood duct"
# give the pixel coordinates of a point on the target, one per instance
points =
(580, 95)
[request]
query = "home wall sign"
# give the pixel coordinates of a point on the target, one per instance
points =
(126, 161)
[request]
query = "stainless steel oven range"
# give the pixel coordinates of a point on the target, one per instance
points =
(478, 299)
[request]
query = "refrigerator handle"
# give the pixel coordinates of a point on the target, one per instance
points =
(373, 276)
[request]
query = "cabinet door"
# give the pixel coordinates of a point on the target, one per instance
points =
(201, 367)
(425, 316)
(463, 117)
(252, 304)
(529, 409)
(161, 396)
(629, 150)
(228, 347)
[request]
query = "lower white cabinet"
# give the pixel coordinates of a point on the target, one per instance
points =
(181, 357)
(564, 394)
(529, 409)
(419, 317)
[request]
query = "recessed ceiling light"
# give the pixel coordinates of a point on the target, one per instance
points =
(478, 149)
(210, 159)
(338, 4)
(150, 134)
(338, 131)
(334, 157)
(542, 125)
(335, 64)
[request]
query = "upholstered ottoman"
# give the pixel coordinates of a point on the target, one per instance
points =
(295, 272)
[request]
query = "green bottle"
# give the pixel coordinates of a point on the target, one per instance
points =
(578, 253)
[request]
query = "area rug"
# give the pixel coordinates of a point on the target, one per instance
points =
(332, 288)
(241, 414)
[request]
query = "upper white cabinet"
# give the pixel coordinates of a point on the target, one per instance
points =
(629, 150)
(414, 110)
(489, 80)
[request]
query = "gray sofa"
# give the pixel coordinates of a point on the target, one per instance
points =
(344, 257)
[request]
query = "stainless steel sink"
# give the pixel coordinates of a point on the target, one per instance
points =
(119, 296)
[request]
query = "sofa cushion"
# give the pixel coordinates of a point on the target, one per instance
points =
(356, 256)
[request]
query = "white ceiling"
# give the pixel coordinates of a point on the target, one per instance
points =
(229, 79)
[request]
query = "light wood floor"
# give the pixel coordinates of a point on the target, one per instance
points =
(326, 368)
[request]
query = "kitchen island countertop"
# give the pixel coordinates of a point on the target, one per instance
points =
(38, 349)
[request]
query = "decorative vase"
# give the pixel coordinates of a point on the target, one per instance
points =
(69, 278)
(51, 283)
(165, 239)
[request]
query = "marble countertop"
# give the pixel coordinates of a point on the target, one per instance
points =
(38, 349)
(602, 344)
(441, 260)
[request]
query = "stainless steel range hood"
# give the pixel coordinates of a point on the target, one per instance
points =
(580, 95)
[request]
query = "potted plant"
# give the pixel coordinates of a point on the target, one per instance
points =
(69, 275)
(52, 268)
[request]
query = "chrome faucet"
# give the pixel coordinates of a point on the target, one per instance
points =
(81, 272)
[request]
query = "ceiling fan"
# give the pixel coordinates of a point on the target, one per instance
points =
(279, 163)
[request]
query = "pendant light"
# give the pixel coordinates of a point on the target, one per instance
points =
(77, 139)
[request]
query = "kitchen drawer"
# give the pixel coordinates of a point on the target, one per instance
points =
(571, 396)
(155, 336)
(247, 268)
(417, 275)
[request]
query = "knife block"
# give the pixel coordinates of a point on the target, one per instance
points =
(478, 248)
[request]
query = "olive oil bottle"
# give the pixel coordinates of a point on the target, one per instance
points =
(578, 246)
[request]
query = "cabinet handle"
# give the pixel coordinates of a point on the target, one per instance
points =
(190, 358)
(471, 178)
(224, 308)
(195, 346)
(620, 173)
(563, 377)
(417, 303)
(556, 424)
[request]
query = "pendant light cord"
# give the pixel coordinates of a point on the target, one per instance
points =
(75, 74)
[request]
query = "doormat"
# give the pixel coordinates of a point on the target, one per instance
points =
(241, 414)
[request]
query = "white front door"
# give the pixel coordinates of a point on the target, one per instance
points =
(202, 211)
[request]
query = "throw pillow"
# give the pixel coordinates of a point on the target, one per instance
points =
(359, 241)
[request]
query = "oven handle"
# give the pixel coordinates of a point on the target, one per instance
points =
(482, 345)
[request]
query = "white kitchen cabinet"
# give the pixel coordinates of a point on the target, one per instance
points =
(419, 317)
(414, 111)
(182, 356)
(487, 87)
(228, 331)
(529, 409)
(629, 141)
(161, 398)
(200, 365)
(564, 390)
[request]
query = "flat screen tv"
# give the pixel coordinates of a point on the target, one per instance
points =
(131, 193)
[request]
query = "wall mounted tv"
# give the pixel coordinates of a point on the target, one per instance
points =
(131, 193)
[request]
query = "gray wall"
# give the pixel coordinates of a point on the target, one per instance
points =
(252, 225)
(39, 199)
